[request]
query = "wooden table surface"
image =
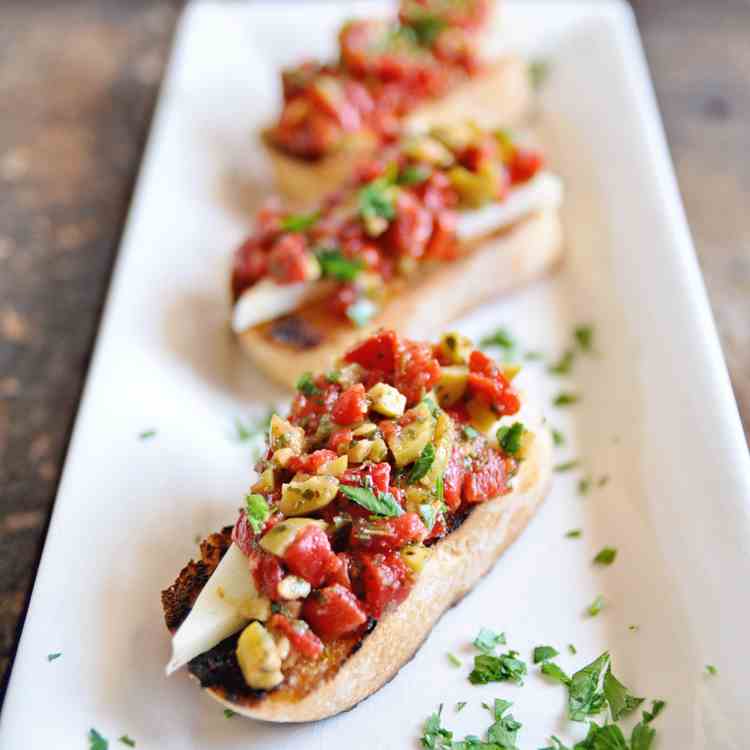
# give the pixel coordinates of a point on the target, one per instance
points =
(78, 83)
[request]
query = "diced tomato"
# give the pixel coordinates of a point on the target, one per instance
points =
(304, 407)
(351, 405)
(268, 218)
(338, 571)
(309, 463)
(299, 634)
(339, 439)
(267, 575)
(333, 611)
(438, 530)
(288, 261)
(487, 382)
(524, 164)
(328, 93)
(453, 479)
(389, 533)
(305, 131)
(376, 353)
(478, 154)
(250, 264)
(309, 555)
(458, 412)
(386, 581)
(437, 193)
(243, 535)
(368, 170)
(443, 244)
(379, 474)
(456, 47)
(486, 479)
(417, 371)
(410, 231)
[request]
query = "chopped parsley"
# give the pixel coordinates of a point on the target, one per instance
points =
(427, 28)
(605, 556)
(334, 265)
(228, 713)
(584, 485)
(52, 657)
(423, 463)
(544, 653)
(557, 437)
(567, 465)
(256, 511)
(657, 707)
(584, 336)
(506, 667)
(573, 650)
(538, 72)
(306, 384)
(634, 628)
(566, 399)
(500, 338)
(585, 697)
(621, 701)
(488, 640)
(125, 740)
(596, 606)
(413, 174)
(96, 741)
(503, 733)
(510, 438)
(333, 376)
(711, 670)
(427, 514)
(299, 222)
(147, 434)
(435, 736)
(460, 706)
(361, 311)
(454, 660)
(573, 534)
(382, 504)
(564, 365)
(376, 200)
(552, 670)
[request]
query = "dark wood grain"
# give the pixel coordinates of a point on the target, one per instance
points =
(78, 82)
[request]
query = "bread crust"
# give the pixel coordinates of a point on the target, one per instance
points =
(500, 97)
(456, 565)
(495, 265)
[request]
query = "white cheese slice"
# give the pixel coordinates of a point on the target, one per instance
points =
(215, 614)
(543, 191)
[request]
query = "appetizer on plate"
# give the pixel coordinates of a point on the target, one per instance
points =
(434, 226)
(392, 487)
(421, 69)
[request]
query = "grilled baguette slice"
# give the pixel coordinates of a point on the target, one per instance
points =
(354, 670)
(501, 97)
(311, 338)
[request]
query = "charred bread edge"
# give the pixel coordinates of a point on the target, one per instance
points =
(499, 98)
(456, 565)
(511, 258)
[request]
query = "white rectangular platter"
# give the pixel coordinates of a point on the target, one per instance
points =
(656, 416)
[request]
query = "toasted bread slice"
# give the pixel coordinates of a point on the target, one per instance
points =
(500, 97)
(354, 668)
(311, 338)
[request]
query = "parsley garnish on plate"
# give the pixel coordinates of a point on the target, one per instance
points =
(584, 485)
(621, 701)
(228, 713)
(584, 336)
(423, 463)
(488, 640)
(147, 434)
(435, 736)
(544, 653)
(552, 670)
(382, 504)
(256, 511)
(711, 670)
(567, 465)
(96, 741)
(306, 384)
(573, 534)
(502, 339)
(557, 437)
(454, 660)
(510, 438)
(605, 556)
(503, 733)
(506, 667)
(596, 606)
(299, 222)
(564, 365)
(257, 428)
(634, 628)
(533, 356)
(52, 657)
(334, 265)
(573, 650)
(125, 740)
(602, 480)
(566, 399)
(460, 706)
(585, 697)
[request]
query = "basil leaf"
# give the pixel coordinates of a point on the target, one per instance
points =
(427, 513)
(551, 669)
(423, 463)
(488, 640)
(382, 504)
(306, 384)
(621, 700)
(434, 736)
(256, 511)
(584, 696)
(96, 741)
(605, 556)
(504, 732)
(544, 653)
(377, 200)
(584, 335)
(334, 265)
(504, 668)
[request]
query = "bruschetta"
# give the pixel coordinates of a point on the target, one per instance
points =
(438, 224)
(395, 483)
(409, 73)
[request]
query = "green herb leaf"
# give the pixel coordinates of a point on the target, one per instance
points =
(596, 606)
(256, 511)
(488, 640)
(608, 737)
(558, 745)
(574, 534)
(454, 660)
(605, 556)
(306, 384)
(333, 376)
(427, 513)
(510, 437)
(621, 700)
(147, 434)
(413, 174)
(334, 265)
(500, 338)
(504, 732)
(584, 335)
(423, 463)
(566, 399)
(434, 736)
(440, 490)
(544, 653)
(256, 429)
(585, 698)
(96, 741)
(564, 365)
(584, 485)
(568, 465)
(228, 713)
(504, 668)
(427, 29)
(657, 707)
(642, 737)
(377, 200)
(52, 657)
(125, 740)
(573, 650)
(460, 706)
(557, 437)
(299, 222)
(538, 72)
(711, 669)
(361, 311)
(551, 669)
(384, 504)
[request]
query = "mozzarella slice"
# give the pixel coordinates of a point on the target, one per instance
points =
(544, 191)
(215, 614)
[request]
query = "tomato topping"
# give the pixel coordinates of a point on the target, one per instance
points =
(288, 259)
(267, 575)
(410, 231)
(333, 611)
(379, 474)
(486, 479)
(453, 479)
(250, 264)
(338, 571)
(376, 353)
(487, 382)
(386, 581)
(243, 535)
(443, 244)
(387, 534)
(524, 164)
(309, 463)
(351, 406)
(417, 371)
(309, 555)
(299, 634)
(340, 438)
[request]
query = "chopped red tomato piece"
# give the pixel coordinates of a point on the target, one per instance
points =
(333, 611)
(309, 463)
(267, 575)
(486, 479)
(250, 264)
(309, 555)
(443, 244)
(287, 261)
(417, 371)
(487, 382)
(299, 634)
(338, 571)
(453, 479)
(387, 534)
(386, 581)
(379, 474)
(351, 405)
(339, 440)
(243, 534)
(410, 231)
(524, 164)
(376, 353)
